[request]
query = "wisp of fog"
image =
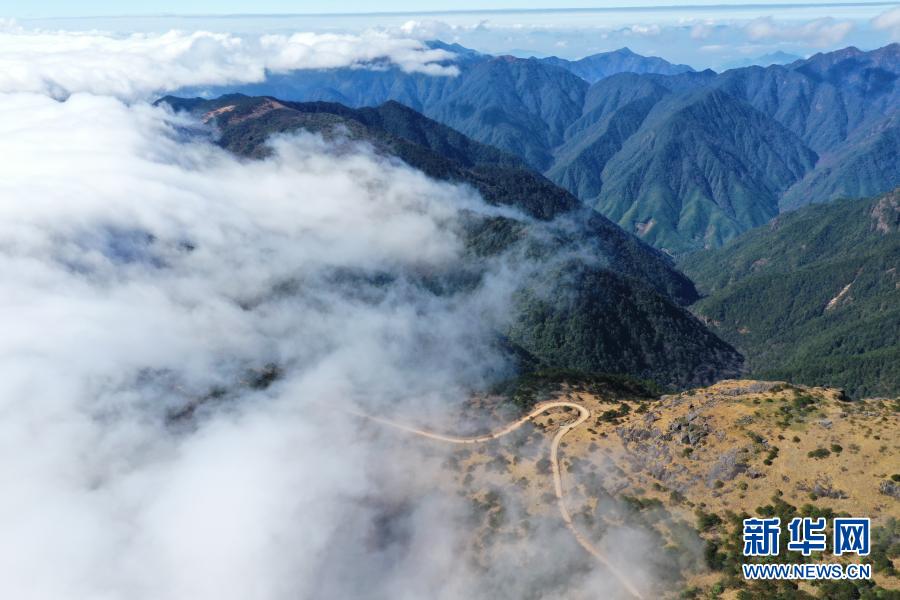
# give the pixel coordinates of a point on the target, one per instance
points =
(183, 330)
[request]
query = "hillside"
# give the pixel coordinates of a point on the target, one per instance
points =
(675, 475)
(595, 67)
(589, 296)
(826, 97)
(867, 162)
(521, 106)
(635, 137)
(813, 297)
(813, 130)
(700, 170)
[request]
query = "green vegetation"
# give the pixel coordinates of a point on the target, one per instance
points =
(613, 416)
(622, 329)
(638, 504)
(692, 160)
(590, 297)
(712, 168)
(868, 163)
(723, 554)
(687, 160)
(529, 388)
(707, 521)
(814, 297)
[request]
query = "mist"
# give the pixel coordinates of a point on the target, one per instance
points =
(184, 333)
(135, 66)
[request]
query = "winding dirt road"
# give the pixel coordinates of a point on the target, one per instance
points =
(583, 415)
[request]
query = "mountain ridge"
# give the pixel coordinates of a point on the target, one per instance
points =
(598, 66)
(616, 302)
(571, 130)
(814, 296)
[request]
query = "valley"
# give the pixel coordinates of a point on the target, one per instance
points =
(813, 296)
(684, 159)
(429, 302)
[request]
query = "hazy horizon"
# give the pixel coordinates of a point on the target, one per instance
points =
(700, 35)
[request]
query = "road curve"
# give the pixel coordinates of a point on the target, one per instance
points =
(583, 415)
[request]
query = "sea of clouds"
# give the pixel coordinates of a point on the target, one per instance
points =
(148, 278)
(134, 66)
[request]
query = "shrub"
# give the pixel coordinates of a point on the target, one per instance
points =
(819, 453)
(706, 521)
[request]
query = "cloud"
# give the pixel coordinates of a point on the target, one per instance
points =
(142, 269)
(817, 32)
(649, 30)
(150, 281)
(433, 29)
(140, 65)
(889, 20)
(147, 279)
(675, 37)
(701, 31)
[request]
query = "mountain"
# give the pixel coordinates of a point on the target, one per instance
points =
(578, 166)
(519, 105)
(812, 297)
(691, 160)
(826, 97)
(701, 169)
(684, 160)
(867, 163)
(599, 66)
(591, 297)
(772, 58)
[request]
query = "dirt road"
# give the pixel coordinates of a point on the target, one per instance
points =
(583, 415)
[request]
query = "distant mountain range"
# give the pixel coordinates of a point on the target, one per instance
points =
(685, 160)
(590, 297)
(690, 161)
(772, 58)
(705, 166)
(600, 66)
(814, 296)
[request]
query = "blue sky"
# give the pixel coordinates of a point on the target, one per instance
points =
(707, 34)
(67, 8)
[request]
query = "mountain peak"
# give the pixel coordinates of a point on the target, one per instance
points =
(834, 56)
(453, 48)
(598, 66)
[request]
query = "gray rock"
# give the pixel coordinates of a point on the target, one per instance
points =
(890, 488)
(726, 468)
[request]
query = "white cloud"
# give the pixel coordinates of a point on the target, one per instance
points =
(142, 267)
(700, 31)
(650, 30)
(677, 39)
(817, 32)
(889, 20)
(139, 271)
(431, 29)
(139, 65)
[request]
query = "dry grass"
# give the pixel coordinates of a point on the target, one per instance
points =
(711, 448)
